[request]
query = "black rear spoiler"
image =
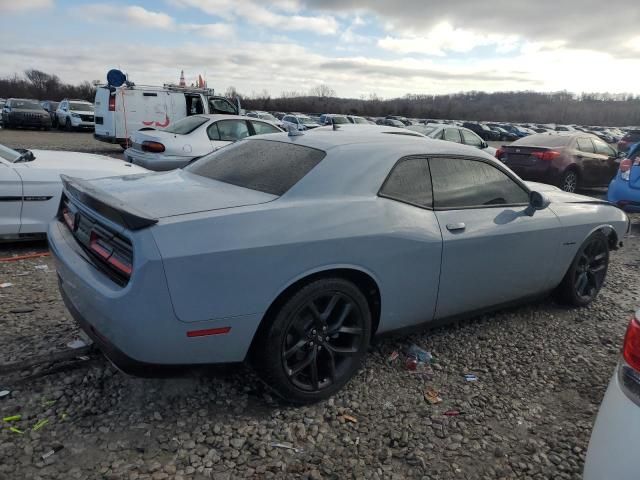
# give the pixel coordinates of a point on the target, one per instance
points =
(106, 205)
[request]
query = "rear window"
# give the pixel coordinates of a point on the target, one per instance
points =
(186, 125)
(544, 141)
(262, 165)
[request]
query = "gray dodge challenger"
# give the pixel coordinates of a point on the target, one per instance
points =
(292, 251)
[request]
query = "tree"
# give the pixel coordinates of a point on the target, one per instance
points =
(322, 91)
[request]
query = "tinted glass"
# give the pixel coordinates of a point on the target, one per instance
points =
(81, 107)
(221, 105)
(232, 130)
(339, 120)
(452, 135)
(410, 182)
(186, 125)
(602, 148)
(541, 140)
(213, 133)
(261, 127)
(469, 183)
(471, 138)
(262, 165)
(585, 145)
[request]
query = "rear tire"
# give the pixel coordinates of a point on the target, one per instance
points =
(315, 341)
(569, 181)
(67, 125)
(584, 279)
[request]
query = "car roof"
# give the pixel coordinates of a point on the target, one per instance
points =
(392, 140)
(221, 116)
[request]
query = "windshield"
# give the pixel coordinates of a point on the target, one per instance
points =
(81, 106)
(360, 120)
(8, 154)
(186, 125)
(307, 120)
(262, 165)
(26, 104)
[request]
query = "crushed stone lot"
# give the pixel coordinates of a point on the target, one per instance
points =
(541, 370)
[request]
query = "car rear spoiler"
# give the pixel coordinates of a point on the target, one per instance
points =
(106, 205)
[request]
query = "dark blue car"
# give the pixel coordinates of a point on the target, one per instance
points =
(624, 189)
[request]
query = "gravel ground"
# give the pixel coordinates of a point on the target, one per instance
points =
(542, 371)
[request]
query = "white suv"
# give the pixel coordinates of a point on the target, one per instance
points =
(75, 114)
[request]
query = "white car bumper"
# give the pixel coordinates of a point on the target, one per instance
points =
(155, 161)
(615, 438)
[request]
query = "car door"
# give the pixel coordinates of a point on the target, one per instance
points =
(588, 161)
(608, 162)
(493, 251)
(10, 199)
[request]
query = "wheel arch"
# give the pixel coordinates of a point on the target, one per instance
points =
(609, 231)
(363, 279)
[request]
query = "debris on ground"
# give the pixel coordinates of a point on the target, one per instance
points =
(12, 418)
(419, 354)
(22, 310)
(54, 450)
(470, 377)
(287, 446)
(39, 425)
(348, 418)
(393, 357)
(6, 285)
(432, 396)
(4, 393)
(76, 343)
(453, 413)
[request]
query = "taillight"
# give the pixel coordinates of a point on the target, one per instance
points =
(106, 249)
(112, 103)
(547, 155)
(629, 368)
(153, 147)
(499, 153)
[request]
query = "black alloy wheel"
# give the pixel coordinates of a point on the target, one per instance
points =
(316, 341)
(587, 273)
(569, 182)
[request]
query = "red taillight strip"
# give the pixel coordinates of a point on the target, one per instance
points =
(631, 348)
(126, 269)
(209, 331)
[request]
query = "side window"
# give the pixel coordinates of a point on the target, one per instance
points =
(585, 145)
(471, 138)
(461, 183)
(409, 182)
(232, 130)
(452, 135)
(213, 132)
(602, 148)
(261, 127)
(220, 105)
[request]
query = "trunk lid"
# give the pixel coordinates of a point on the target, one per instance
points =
(164, 194)
(522, 156)
(172, 144)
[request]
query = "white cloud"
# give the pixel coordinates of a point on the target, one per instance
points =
(134, 15)
(280, 15)
(211, 30)
(444, 38)
(9, 6)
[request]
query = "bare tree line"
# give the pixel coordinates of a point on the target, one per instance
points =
(524, 106)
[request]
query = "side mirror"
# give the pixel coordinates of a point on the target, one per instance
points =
(537, 201)
(484, 145)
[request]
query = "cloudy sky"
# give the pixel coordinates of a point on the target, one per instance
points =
(357, 47)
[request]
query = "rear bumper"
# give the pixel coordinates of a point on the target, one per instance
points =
(614, 441)
(621, 194)
(542, 172)
(155, 161)
(135, 325)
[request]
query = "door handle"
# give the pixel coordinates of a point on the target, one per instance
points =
(456, 227)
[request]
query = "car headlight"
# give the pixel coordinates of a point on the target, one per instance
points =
(77, 115)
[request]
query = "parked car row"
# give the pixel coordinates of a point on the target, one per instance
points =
(31, 113)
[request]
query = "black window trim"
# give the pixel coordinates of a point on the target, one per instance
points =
(381, 194)
(512, 176)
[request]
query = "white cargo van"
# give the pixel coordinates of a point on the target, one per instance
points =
(121, 111)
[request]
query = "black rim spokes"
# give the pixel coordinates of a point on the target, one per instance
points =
(592, 267)
(322, 340)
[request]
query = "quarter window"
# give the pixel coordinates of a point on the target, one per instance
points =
(459, 183)
(409, 182)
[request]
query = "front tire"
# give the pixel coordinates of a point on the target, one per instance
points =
(315, 341)
(584, 279)
(67, 125)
